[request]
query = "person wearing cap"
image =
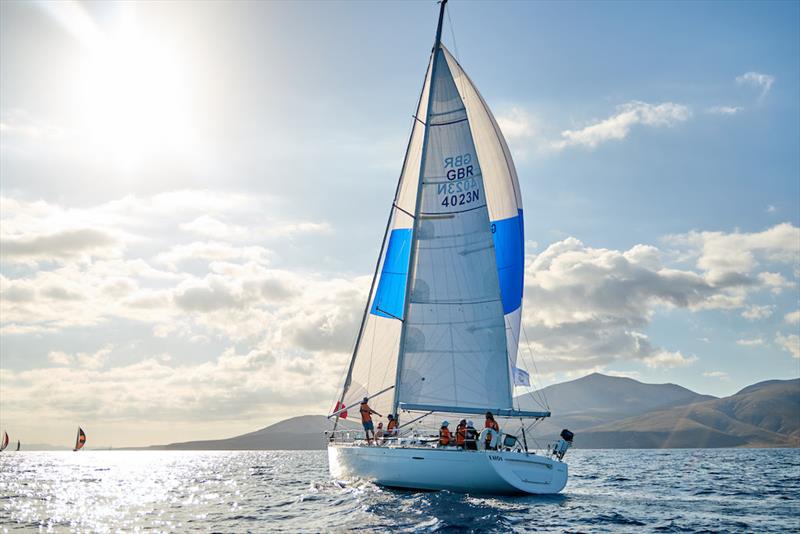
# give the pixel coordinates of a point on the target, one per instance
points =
(461, 433)
(490, 423)
(366, 419)
(444, 435)
(470, 437)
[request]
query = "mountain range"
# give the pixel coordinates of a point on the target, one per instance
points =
(603, 412)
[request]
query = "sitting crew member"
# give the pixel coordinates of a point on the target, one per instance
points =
(391, 428)
(470, 437)
(379, 432)
(366, 419)
(490, 423)
(461, 433)
(444, 435)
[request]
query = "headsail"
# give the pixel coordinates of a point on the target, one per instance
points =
(80, 441)
(4, 443)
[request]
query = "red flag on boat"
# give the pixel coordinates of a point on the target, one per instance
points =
(339, 406)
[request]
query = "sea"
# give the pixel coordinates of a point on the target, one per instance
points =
(685, 490)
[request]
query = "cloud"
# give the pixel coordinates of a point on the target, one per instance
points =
(758, 80)
(722, 255)
(208, 226)
(756, 313)
(516, 123)
(57, 245)
(619, 125)
(717, 374)
(724, 110)
(95, 360)
(790, 343)
(792, 317)
(211, 251)
(668, 360)
(59, 358)
(754, 342)
(771, 209)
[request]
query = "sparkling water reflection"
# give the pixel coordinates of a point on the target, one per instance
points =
(290, 491)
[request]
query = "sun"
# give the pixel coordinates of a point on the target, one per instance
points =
(133, 89)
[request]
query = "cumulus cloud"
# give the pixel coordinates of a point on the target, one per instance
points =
(723, 256)
(756, 79)
(789, 343)
(586, 307)
(56, 246)
(792, 317)
(619, 125)
(724, 110)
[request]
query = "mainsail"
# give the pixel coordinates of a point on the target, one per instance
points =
(80, 441)
(4, 443)
(442, 323)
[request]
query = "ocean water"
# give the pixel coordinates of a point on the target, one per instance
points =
(728, 490)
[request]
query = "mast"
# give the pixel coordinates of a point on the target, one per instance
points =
(412, 260)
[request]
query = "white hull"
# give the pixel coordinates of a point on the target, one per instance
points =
(428, 468)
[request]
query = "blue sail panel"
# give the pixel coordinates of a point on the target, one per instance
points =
(389, 299)
(509, 247)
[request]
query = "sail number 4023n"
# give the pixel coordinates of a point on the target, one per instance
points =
(461, 187)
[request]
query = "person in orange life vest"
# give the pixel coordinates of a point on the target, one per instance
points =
(391, 428)
(444, 434)
(366, 419)
(490, 423)
(461, 433)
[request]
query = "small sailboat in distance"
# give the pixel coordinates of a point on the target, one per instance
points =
(442, 323)
(18, 445)
(80, 441)
(4, 443)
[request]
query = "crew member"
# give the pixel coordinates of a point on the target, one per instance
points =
(391, 428)
(470, 437)
(444, 435)
(366, 419)
(490, 423)
(461, 433)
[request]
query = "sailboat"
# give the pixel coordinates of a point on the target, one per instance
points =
(4, 443)
(440, 330)
(80, 441)
(18, 445)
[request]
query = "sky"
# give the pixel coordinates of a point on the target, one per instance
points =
(193, 197)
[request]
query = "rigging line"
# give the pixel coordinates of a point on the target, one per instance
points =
(541, 398)
(535, 367)
(536, 398)
(453, 35)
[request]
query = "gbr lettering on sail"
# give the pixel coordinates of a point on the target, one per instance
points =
(461, 187)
